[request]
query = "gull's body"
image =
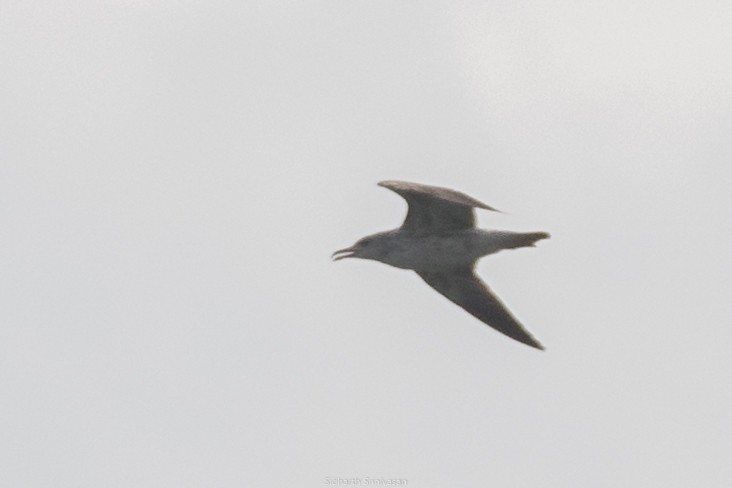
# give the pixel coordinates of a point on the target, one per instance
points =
(441, 252)
(439, 241)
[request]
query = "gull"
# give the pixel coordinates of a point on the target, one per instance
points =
(439, 241)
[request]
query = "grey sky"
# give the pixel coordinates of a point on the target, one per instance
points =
(175, 174)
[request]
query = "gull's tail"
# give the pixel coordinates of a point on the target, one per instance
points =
(513, 240)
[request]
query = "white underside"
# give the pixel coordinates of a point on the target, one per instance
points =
(437, 253)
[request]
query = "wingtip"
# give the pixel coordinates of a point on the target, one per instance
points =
(530, 341)
(526, 339)
(493, 209)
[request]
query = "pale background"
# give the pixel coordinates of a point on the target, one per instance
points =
(175, 174)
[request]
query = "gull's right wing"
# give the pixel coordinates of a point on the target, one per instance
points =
(433, 209)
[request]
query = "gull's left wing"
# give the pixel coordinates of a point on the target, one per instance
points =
(464, 288)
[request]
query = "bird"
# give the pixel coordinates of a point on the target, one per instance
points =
(440, 242)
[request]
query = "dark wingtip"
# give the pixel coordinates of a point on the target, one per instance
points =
(530, 341)
(492, 209)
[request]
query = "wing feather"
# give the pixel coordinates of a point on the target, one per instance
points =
(464, 288)
(433, 209)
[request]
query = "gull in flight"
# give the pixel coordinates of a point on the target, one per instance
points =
(439, 241)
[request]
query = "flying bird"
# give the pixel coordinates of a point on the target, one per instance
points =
(439, 241)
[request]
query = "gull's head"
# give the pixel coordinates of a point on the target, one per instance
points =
(370, 247)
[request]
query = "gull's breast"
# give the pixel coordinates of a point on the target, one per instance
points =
(435, 252)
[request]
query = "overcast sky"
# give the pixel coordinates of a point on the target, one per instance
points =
(175, 174)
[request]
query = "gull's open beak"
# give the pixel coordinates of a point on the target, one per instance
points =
(348, 252)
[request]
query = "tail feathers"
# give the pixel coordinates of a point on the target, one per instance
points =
(537, 236)
(518, 239)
